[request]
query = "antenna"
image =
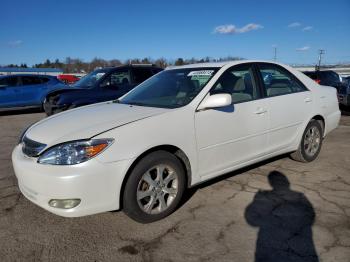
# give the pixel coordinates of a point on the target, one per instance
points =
(274, 52)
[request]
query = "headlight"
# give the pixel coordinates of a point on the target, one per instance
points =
(74, 152)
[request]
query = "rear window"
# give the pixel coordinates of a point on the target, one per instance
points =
(330, 76)
(141, 74)
(312, 75)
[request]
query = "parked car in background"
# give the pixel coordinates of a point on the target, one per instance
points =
(99, 86)
(325, 78)
(68, 78)
(179, 128)
(20, 91)
(344, 92)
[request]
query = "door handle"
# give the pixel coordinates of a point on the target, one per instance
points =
(307, 100)
(260, 111)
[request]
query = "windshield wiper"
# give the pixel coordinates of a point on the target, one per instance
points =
(134, 104)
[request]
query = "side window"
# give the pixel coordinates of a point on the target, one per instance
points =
(141, 74)
(117, 79)
(30, 80)
(239, 82)
(278, 81)
(8, 81)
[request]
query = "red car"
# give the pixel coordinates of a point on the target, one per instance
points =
(68, 79)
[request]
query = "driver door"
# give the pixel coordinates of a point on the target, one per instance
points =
(236, 134)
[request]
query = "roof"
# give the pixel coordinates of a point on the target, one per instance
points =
(220, 64)
(36, 75)
(30, 70)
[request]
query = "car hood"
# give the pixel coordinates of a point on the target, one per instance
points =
(86, 122)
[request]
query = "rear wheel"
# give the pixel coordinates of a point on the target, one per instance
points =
(154, 187)
(311, 143)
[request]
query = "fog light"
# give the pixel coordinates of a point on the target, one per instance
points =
(64, 203)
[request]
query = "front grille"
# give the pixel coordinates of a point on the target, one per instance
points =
(31, 148)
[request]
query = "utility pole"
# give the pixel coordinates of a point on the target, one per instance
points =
(274, 53)
(320, 53)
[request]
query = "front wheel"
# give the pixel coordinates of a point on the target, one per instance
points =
(311, 143)
(154, 187)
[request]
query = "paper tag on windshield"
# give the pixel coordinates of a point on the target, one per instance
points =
(201, 73)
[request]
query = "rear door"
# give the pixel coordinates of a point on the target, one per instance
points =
(8, 92)
(289, 104)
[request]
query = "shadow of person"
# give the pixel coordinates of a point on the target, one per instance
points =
(284, 218)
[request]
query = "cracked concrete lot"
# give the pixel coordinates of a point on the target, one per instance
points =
(278, 210)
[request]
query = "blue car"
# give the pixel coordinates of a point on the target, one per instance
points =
(26, 91)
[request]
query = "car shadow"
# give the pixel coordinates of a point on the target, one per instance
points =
(284, 218)
(20, 112)
(345, 111)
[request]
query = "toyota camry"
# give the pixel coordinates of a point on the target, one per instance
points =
(181, 127)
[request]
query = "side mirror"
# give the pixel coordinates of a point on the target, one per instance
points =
(215, 101)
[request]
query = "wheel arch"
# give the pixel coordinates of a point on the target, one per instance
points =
(321, 121)
(180, 154)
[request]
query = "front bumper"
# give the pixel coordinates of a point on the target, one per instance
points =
(97, 184)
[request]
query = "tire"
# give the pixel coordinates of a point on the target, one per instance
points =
(47, 106)
(151, 200)
(311, 143)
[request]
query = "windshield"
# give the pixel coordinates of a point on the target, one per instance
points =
(170, 88)
(91, 79)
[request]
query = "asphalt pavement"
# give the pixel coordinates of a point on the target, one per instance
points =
(295, 211)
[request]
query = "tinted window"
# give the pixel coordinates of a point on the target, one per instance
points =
(278, 81)
(8, 81)
(30, 80)
(141, 74)
(239, 83)
(117, 79)
(312, 75)
(156, 70)
(329, 76)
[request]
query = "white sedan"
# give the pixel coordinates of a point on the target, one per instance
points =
(181, 127)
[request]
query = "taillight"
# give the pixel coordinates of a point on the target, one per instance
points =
(318, 81)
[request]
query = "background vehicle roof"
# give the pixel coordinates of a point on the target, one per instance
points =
(34, 70)
(130, 66)
(36, 75)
